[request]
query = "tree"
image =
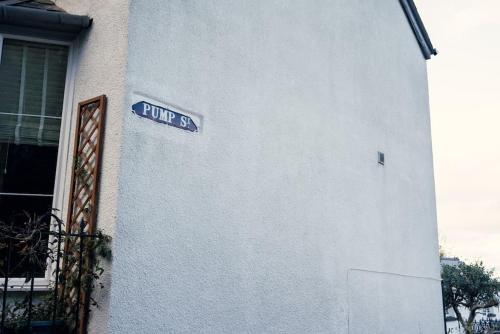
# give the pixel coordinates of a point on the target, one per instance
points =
(469, 286)
(441, 252)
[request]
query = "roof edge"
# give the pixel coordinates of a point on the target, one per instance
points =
(46, 20)
(418, 28)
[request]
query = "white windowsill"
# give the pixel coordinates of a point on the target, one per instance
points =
(19, 285)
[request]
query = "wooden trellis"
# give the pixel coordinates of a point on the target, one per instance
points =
(82, 206)
(85, 174)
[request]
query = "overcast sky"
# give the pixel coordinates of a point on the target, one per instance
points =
(464, 82)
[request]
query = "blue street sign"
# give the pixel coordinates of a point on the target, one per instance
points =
(164, 115)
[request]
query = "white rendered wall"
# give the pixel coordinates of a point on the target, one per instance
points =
(276, 217)
(100, 68)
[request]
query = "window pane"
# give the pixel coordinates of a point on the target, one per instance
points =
(11, 211)
(57, 63)
(10, 75)
(32, 81)
(27, 168)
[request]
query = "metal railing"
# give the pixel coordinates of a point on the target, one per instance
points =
(41, 250)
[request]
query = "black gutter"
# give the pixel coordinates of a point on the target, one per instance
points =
(58, 22)
(418, 27)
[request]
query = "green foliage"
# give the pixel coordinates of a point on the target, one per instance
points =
(471, 286)
(80, 259)
(17, 311)
(28, 240)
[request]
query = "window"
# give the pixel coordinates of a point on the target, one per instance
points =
(32, 81)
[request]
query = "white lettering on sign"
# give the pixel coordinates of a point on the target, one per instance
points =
(164, 115)
(154, 112)
(185, 121)
(171, 116)
(147, 107)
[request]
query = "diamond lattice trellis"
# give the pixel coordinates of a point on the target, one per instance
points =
(82, 206)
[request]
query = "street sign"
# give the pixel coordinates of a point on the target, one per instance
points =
(164, 115)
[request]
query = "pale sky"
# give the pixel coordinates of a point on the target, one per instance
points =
(464, 83)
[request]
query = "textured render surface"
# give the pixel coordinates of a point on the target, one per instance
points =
(256, 224)
(253, 224)
(100, 69)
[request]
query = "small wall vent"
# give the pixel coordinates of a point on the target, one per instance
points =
(381, 158)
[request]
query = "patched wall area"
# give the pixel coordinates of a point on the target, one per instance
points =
(382, 302)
